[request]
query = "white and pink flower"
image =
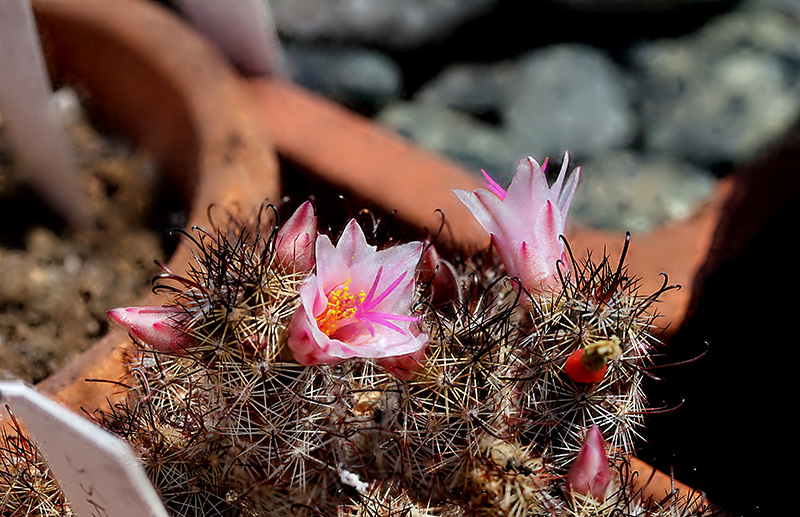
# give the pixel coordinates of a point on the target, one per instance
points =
(358, 303)
(526, 222)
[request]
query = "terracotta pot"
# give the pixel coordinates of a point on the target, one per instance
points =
(171, 91)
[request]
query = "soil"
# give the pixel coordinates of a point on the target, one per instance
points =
(56, 284)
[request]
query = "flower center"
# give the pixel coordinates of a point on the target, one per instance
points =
(342, 308)
(346, 308)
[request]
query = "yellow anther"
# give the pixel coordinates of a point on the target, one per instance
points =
(342, 306)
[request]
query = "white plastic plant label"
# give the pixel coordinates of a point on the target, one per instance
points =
(244, 30)
(26, 102)
(98, 472)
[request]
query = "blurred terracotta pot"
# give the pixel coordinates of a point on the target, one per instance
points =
(171, 91)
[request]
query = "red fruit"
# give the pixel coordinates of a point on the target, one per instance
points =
(578, 372)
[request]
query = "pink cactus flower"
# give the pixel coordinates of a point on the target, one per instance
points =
(294, 244)
(358, 302)
(525, 223)
(590, 473)
(157, 327)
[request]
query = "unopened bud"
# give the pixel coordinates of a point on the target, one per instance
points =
(157, 327)
(440, 274)
(404, 367)
(590, 473)
(294, 245)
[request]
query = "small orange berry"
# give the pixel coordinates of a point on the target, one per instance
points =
(578, 372)
(589, 364)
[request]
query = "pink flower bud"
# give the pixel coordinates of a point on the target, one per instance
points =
(590, 473)
(427, 264)
(158, 327)
(441, 275)
(294, 245)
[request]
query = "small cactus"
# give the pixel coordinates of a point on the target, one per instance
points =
(27, 487)
(492, 412)
(483, 421)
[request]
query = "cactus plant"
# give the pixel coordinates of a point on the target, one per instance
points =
(464, 391)
(27, 487)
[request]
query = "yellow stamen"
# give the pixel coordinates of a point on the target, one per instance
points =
(342, 307)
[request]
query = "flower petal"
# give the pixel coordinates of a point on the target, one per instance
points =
(483, 204)
(294, 243)
(565, 199)
(528, 190)
(304, 345)
(352, 245)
